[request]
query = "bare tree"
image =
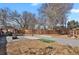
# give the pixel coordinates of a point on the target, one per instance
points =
(24, 20)
(16, 17)
(4, 16)
(56, 12)
(29, 20)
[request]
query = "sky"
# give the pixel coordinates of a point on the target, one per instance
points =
(33, 8)
(20, 7)
(74, 14)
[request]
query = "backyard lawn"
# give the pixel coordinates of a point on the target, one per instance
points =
(38, 47)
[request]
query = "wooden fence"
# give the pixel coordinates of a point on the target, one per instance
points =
(40, 31)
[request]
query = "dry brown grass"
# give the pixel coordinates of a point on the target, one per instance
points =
(36, 47)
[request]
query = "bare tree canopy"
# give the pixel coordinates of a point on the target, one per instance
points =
(56, 12)
(4, 16)
(24, 20)
(51, 14)
(28, 19)
(14, 19)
